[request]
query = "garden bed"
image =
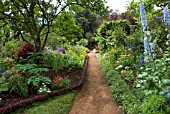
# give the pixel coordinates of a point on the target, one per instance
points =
(10, 102)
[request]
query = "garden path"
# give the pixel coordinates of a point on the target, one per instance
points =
(94, 96)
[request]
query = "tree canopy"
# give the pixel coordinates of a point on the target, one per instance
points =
(33, 19)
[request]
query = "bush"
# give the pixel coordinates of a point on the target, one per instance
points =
(119, 89)
(154, 104)
(25, 50)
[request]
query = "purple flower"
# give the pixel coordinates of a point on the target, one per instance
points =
(159, 18)
(166, 15)
(146, 46)
(168, 1)
(143, 16)
(1, 69)
(5, 80)
(48, 51)
(6, 73)
(61, 50)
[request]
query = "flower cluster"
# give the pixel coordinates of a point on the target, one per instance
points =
(58, 79)
(2, 69)
(60, 50)
(166, 15)
(44, 89)
(143, 17)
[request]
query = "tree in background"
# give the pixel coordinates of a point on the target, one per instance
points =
(33, 19)
(89, 22)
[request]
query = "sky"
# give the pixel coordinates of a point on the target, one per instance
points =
(117, 5)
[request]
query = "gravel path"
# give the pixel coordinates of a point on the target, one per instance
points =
(94, 96)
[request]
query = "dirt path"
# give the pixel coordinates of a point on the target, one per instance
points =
(94, 97)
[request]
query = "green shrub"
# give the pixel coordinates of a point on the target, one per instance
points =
(18, 85)
(37, 80)
(154, 104)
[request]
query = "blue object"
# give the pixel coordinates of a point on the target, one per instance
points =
(142, 61)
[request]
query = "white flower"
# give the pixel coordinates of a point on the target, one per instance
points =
(122, 71)
(127, 67)
(168, 36)
(167, 43)
(120, 66)
(138, 85)
(48, 91)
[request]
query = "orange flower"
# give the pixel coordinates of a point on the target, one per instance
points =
(14, 70)
(113, 50)
(8, 67)
(61, 83)
(57, 78)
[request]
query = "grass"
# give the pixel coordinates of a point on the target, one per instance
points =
(55, 105)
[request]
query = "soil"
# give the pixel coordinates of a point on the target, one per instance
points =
(74, 75)
(94, 96)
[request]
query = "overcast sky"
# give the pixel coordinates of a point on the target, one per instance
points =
(117, 5)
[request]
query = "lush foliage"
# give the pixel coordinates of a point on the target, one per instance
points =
(25, 75)
(32, 21)
(147, 75)
(113, 34)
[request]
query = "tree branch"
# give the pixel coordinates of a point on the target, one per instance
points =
(23, 37)
(44, 43)
(25, 6)
(17, 6)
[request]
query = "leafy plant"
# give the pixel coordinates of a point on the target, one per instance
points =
(37, 80)
(154, 104)
(60, 82)
(37, 71)
(11, 45)
(24, 53)
(23, 68)
(18, 85)
(4, 86)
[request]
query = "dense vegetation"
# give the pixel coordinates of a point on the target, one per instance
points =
(139, 54)
(38, 36)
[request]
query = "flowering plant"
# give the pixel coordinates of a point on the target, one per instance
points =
(60, 82)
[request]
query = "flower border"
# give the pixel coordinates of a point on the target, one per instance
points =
(36, 98)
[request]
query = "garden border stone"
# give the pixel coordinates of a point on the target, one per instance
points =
(36, 98)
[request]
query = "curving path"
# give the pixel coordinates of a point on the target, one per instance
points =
(94, 96)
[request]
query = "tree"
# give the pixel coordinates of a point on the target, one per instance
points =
(88, 20)
(65, 25)
(34, 18)
(113, 16)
